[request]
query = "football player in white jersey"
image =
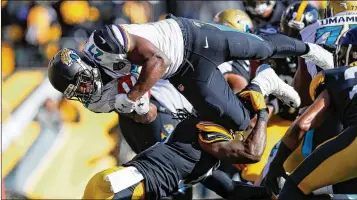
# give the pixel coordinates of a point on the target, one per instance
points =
(99, 88)
(188, 52)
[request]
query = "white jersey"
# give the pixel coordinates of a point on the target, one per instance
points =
(327, 32)
(106, 103)
(164, 92)
(166, 35)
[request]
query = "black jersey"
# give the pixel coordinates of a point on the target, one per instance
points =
(175, 164)
(341, 84)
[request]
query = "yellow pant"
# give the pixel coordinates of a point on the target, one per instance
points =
(99, 188)
(332, 162)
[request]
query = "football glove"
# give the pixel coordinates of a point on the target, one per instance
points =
(123, 104)
(256, 98)
(143, 104)
(275, 178)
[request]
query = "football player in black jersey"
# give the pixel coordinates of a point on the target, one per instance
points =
(190, 155)
(296, 17)
(334, 161)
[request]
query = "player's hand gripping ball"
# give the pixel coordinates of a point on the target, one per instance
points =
(123, 104)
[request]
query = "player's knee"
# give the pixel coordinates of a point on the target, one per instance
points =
(97, 187)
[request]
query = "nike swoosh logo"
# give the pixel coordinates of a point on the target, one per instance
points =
(206, 47)
(211, 135)
(103, 40)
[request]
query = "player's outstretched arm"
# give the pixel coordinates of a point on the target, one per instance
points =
(311, 118)
(245, 152)
(153, 61)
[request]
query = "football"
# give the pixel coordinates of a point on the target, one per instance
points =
(127, 82)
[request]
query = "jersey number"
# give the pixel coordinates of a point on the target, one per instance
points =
(334, 33)
(95, 52)
(350, 73)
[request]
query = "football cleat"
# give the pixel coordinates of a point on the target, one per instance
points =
(270, 83)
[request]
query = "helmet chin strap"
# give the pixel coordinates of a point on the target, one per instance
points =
(98, 84)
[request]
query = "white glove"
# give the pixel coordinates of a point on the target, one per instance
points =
(319, 56)
(143, 104)
(123, 104)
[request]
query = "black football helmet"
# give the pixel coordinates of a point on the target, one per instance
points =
(297, 16)
(346, 51)
(72, 74)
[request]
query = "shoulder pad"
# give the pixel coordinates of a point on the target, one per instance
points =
(316, 85)
(107, 40)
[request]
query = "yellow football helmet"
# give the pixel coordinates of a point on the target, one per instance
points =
(335, 7)
(235, 18)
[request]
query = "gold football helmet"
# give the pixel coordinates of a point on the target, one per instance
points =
(235, 18)
(335, 7)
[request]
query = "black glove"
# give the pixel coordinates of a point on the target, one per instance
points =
(271, 180)
(276, 170)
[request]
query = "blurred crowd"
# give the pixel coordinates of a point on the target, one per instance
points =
(33, 31)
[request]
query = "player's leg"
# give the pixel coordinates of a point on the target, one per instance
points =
(209, 93)
(220, 183)
(99, 186)
(244, 46)
(221, 43)
(225, 187)
(332, 162)
(248, 192)
(206, 89)
(312, 139)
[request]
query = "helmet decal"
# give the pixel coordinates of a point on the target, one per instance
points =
(67, 56)
(74, 56)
